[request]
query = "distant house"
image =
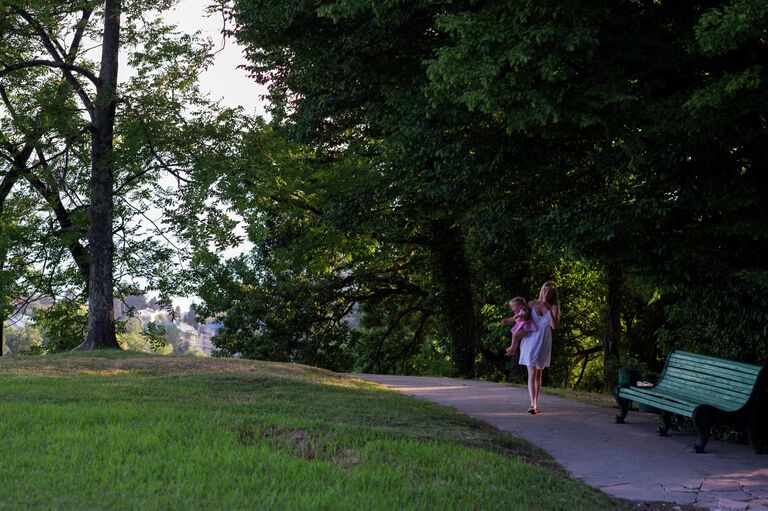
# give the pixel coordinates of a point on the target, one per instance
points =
(147, 315)
(205, 345)
(187, 333)
(207, 330)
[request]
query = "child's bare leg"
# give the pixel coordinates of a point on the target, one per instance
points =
(515, 342)
(512, 348)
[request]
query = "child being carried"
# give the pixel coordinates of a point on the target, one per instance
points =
(523, 324)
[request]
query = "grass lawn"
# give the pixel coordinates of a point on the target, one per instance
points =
(590, 398)
(115, 430)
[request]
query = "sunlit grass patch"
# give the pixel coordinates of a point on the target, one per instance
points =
(132, 431)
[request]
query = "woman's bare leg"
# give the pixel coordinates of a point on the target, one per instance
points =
(539, 373)
(532, 386)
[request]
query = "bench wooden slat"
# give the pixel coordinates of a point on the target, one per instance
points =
(674, 406)
(724, 403)
(705, 380)
(702, 395)
(699, 382)
(697, 395)
(665, 405)
(693, 378)
(749, 374)
(703, 360)
(707, 393)
(714, 360)
(641, 393)
(736, 376)
(719, 373)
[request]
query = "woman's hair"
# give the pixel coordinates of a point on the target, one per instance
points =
(518, 301)
(553, 299)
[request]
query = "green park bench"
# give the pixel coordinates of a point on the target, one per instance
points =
(709, 390)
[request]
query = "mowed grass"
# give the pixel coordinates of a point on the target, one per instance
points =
(129, 431)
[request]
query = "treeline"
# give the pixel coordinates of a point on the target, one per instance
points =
(86, 159)
(451, 155)
(424, 162)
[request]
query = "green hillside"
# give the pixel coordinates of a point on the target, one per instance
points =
(109, 430)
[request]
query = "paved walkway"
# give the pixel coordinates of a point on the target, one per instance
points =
(626, 460)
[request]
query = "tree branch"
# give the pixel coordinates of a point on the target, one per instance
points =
(410, 348)
(19, 161)
(157, 228)
(79, 31)
(9, 68)
(7, 101)
(7, 185)
(63, 217)
(57, 56)
(158, 157)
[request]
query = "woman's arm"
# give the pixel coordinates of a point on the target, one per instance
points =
(554, 316)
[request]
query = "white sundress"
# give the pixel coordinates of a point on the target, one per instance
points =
(536, 347)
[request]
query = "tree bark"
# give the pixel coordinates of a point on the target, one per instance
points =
(19, 162)
(455, 295)
(2, 297)
(101, 314)
(76, 249)
(612, 323)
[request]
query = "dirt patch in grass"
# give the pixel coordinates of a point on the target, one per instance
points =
(296, 440)
(489, 438)
(301, 443)
(235, 380)
(103, 372)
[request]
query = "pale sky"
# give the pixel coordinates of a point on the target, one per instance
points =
(223, 80)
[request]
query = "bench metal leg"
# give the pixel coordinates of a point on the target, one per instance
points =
(703, 421)
(757, 440)
(623, 404)
(756, 429)
(666, 421)
(757, 421)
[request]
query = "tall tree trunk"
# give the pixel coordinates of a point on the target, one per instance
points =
(455, 295)
(2, 297)
(612, 322)
(7, 184)
(101, 314)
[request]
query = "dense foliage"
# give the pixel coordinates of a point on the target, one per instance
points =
(424, 162)
(455, 154)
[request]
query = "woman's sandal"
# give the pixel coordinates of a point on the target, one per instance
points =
(532, 410)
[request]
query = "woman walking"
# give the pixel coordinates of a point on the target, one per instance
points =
(536, 348)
